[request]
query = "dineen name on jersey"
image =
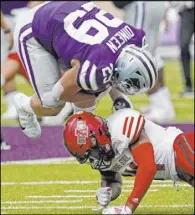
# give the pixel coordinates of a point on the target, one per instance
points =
(120, 38)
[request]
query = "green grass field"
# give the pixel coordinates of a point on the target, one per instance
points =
(69, 188)
(184, 107)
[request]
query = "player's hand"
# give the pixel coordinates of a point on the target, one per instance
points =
(117, 210)
(121, 103)
(104, 195)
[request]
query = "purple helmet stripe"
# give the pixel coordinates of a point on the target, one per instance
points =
(146, 66)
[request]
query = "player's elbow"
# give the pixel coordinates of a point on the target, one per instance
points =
(151, 168)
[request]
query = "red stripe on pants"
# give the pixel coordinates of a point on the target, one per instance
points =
(184, 152)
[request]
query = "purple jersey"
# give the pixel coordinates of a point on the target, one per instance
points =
(80, 30)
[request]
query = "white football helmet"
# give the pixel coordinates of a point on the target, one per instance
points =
(135, 71)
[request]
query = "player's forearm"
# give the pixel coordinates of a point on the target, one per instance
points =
(144, 157)
(113, 180)
(71, 92)
(142, 183)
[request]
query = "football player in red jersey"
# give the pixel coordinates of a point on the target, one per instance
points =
(12, 67)
(129, 144)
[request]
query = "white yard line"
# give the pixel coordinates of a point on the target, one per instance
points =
(40, 201)
(160, 185)
(88, 207)
(45, 207)
(166, 206)
(69, 160)
(94, 191)
(61, 196)
(69, 182)
(80, 191)
(154, 181)
(47, 182)
(76, 195)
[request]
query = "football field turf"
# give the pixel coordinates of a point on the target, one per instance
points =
(70, 188)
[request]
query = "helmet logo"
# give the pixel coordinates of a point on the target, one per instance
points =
(81, 132)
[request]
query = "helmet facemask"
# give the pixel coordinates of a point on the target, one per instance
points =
(100, 157)
(135, 71)
(84, 158)
(133, 85)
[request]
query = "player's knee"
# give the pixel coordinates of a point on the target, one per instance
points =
(49, 101)
(184, 176)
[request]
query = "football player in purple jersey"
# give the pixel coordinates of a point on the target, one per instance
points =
(97, 51)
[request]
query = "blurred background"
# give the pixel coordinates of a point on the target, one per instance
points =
(169, 37)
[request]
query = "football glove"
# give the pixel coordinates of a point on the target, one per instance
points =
(104, 195)
(121, 103)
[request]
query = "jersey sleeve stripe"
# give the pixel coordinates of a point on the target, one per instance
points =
(125, 125)
(136, 129)
(139, 127)
(92, 78)
(82, 75)
(130, 126)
